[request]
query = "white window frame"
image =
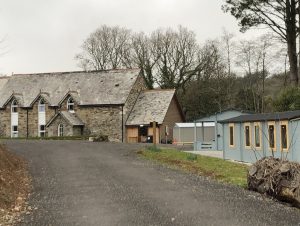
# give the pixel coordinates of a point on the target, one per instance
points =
(14, 133)
(42, 133)
(70, 104)
(42, 105)
(14, 106)
(60, 130)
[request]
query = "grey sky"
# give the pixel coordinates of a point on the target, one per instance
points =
(44, 35)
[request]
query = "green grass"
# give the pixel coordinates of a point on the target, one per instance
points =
(218, 169)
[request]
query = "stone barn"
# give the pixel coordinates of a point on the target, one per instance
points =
(77, 103)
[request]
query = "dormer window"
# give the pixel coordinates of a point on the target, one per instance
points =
(70, 105)
(42, 105)
(14, 106)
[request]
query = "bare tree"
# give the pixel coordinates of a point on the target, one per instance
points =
(106, 48)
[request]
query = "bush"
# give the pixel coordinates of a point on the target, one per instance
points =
(153, 148)
(191, 157)
(288, 99)
(100, 138)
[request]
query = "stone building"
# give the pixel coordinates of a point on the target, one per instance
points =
(83, 103)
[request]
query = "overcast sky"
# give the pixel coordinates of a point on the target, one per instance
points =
(45, 35)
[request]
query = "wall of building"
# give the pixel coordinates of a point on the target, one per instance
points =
(52, 130)
(173, 116)
(102, 120)
(186, 134)
(241, 153)
(33, 118)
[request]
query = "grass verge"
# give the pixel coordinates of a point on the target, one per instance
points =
(218, 169)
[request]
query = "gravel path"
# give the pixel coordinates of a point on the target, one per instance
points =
(82, 183)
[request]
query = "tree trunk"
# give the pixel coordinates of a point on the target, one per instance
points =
(291, 35)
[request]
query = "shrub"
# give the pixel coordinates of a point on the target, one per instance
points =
(101, 138)
(288, 99)
(191, 157)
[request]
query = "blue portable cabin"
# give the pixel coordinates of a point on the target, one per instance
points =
(248, 138)
(217, 142)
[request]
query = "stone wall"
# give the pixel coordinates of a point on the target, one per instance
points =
(52, 130)
(102, 120)
(33, 126)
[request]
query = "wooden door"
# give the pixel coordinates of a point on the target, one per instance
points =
(132, 135)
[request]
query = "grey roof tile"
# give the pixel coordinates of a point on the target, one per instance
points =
(151, 105)
(91, 88)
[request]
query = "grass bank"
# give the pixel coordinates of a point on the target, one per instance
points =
(218, 169)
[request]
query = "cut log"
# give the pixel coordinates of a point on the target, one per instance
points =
(277, 178)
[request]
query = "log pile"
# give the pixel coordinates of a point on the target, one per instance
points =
(277, 178)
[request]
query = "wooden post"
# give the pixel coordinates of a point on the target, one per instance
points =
(154, 133)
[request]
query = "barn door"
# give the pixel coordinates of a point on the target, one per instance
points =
(132, 135)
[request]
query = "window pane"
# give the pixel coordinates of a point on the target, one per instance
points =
(257, 136)
(42, 108)
(271, 136)
(15, 128)
(283, 137)
(231, 135)
(247, 133)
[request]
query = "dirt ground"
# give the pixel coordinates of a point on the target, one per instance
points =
(14, 186)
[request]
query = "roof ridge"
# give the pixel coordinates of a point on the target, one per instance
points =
(71, 72)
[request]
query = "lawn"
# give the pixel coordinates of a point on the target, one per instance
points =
(218, 169)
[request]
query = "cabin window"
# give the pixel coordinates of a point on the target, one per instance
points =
(257, 135)
(42, 130)
(14, 106)
(271, 131)
(247, 135)
(42, 105)
(284, 136)
(231, 135)
(70, 105)
(60, 130)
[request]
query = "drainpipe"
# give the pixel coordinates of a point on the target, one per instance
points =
(122, 124)
(27, 129)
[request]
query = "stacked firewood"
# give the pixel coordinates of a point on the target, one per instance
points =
(277, 178)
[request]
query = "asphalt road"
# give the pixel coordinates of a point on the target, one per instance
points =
(83, 183)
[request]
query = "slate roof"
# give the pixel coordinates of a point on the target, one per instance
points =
(151, 105)
(287, 115)
(71, 118)
(89, 88)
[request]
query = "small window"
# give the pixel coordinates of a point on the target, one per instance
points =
(247, 136)
(257, 136)
(42, 130)
(60, 130)
(42, 105)
(14, 131)
(70, 105)
(14, 106)
(284, 137)
(271, 136)
(231, 135)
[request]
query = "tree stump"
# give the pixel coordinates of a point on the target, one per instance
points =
(277, 178)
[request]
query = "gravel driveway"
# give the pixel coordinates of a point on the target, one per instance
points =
(82, 183)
